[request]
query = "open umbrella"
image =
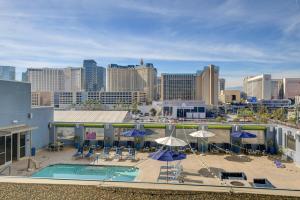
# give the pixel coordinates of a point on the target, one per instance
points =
(167, 155)
(202, 134)
(242, 134)
(134, 133)
(171, 141)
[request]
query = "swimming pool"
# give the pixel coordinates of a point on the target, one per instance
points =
(87, 172)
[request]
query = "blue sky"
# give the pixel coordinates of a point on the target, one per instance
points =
(242, 37)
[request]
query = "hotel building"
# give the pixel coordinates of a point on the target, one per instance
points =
(132, 78)
(55, 79)
(202, 86)
(258, 86)
(291, 87)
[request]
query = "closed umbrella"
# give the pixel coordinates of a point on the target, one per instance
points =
(168, 156)
(202, 134)
(171, 141)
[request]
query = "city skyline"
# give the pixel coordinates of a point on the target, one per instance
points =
(243, 37)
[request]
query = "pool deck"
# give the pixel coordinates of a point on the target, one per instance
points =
(195, 172)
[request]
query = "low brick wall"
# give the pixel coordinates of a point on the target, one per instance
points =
(74, 192)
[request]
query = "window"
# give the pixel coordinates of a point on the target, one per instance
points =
(2, 150)
(290, 142)
(22, 145)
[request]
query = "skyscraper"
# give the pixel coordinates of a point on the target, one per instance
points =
(7, 73)
(55, 79)
(221, 84)
(141, 77)
(95, 76)
(258, 86)
(291, 87)
(203, 85)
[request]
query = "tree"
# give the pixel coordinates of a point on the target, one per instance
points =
(134, 108)
(153, 112)
(279, 114)
(245, 113)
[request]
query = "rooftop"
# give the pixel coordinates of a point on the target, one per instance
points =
(90, 116)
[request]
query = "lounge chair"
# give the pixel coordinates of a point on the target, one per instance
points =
(131, 154)
(279, 164)
(99, 144)
(118, 154)
(79, 153)
(105, 154)
(90, 153)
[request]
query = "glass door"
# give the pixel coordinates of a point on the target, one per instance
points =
(8, 148)
(2, 150)
(22, 144)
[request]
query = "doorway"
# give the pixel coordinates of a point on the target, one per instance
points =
(15, 147)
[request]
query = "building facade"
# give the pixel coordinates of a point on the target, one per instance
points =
(7, 73)
(258, 86)
(202, 85)
(21, 127)
(184, 109)
(291, 87)
(95, 76)
(55, 79)
(230, 96)
(141, 78)
(276, 89)
(221, 84)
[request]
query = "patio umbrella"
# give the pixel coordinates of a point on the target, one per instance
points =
(202, 134)
(243, 134)
(167, 155)
(171, 141)
(134, 133)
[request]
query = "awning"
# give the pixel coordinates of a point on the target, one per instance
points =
(16, 129)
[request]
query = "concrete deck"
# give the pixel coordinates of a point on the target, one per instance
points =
(195, 170)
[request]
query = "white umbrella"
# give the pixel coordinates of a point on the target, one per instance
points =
(171, 141)
(202, 134)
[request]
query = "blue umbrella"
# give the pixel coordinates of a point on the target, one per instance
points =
(134, 133)
(243, 134)
(167, 155)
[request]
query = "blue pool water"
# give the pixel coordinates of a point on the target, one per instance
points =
(88, 172)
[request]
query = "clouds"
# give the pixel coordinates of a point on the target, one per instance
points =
(58, 33)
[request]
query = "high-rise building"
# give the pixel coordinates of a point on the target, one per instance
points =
(221, 84)
(291, 87)
(158, 88)
(276, 89)
(202, 85)
(95, 76)
(258, 86)
(7, 73)
(178, 86)
(141, 78)
(55, 79)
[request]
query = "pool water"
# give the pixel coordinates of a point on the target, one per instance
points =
(87, 172)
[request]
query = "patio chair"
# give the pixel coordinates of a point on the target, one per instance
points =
(79, 153)
(118, 154)
(99, 144)
(90, 153)
(131, 154)
(105, 154)
(86, 144)
(130, 144)
(279, 164)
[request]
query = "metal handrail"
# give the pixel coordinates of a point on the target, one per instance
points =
(5, 168)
